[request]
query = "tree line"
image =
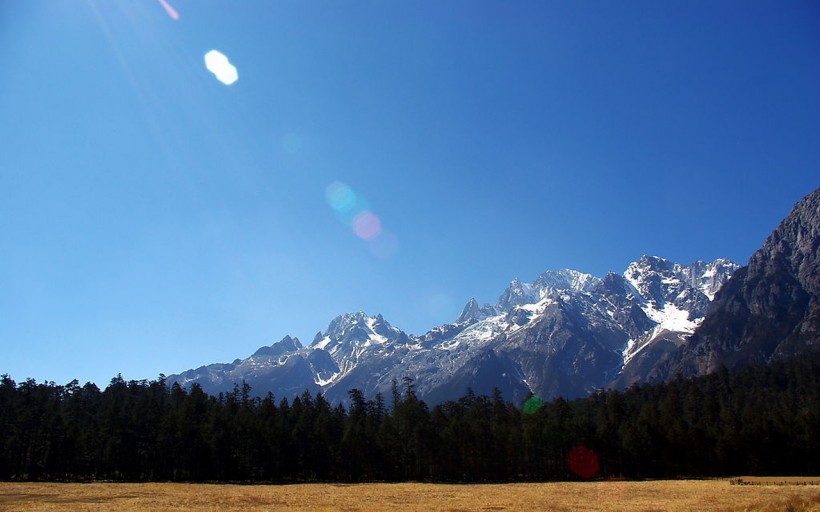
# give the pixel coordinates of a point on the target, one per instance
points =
(763, 420)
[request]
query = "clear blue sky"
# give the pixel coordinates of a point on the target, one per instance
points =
(153, 219)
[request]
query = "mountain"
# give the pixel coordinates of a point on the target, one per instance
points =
(283, 368)
(771, 307)
(568, 333)
(565, 334)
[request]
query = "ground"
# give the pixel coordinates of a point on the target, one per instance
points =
(679, 495)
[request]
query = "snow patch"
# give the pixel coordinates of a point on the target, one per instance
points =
(324, 343)
(671, 318)
(324, 382)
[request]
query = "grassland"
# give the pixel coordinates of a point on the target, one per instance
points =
(778, 480)
(589, 496)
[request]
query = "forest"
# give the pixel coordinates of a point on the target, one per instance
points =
(758, 421)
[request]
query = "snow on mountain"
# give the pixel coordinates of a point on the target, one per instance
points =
(673, 296)
(515, 294)
(564, 280)
(353, 337)
(769, 310)
(709, 277)
(567, 333)
(472, 312)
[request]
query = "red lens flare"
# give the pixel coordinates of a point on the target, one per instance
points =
(583, 462)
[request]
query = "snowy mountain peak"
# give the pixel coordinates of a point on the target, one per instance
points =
(674, 297)
(614, 284)
(709, 277)
(655, 262)
(516, 294)
(345, 321)
(357, 330)
(286, 344)
(656, 279)
(660, 281)
(469, 313)
(565, 334)
(472, 312)
(550, 284)
(565, 280)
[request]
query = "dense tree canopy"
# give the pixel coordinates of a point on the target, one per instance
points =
(763, 420)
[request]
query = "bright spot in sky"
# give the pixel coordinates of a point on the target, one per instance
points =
(345, 202)
(367, 225)
(170, 10)
(340, 197)
(352, 210)
(221, 67)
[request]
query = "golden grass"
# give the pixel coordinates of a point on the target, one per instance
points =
(777, 480)
(683, 495)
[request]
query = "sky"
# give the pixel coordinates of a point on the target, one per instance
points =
(388, 157)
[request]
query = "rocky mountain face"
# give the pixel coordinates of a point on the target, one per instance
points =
(565, 334)
(770, 309)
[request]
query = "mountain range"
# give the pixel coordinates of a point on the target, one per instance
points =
(566, 333)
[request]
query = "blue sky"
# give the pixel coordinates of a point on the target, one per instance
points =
(154, 219)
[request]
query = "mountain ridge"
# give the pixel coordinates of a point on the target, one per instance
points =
(770, 310)
(567, 333)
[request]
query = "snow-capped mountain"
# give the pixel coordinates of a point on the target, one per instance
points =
(771, 308)
(675, 300)
(284, 368)
(565, 334)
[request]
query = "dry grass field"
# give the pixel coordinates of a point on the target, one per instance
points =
(591, 496)
(778, 480)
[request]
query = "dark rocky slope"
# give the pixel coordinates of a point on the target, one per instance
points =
(769, 309)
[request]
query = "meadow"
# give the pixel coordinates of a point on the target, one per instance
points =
(679, 495)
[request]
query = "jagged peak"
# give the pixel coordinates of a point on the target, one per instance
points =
(355, 327)
(613, 282)
(344, 320)
(469, 312)
(547, 284)
(724, 261)
(516, 293)
(652, 263)
(286, 344)
(472, 312)
(566, 279)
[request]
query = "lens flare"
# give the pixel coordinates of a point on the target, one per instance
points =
(583, 462)
(170, 10)
(345, 202)
(221, 67)
(532, 404)
(367, 225)
(340, 197)
(353, 211)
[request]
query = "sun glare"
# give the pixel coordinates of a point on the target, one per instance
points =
(218, 64)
